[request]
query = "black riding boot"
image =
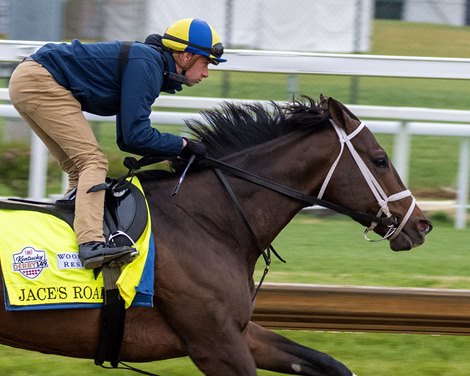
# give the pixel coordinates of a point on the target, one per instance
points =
(95, 254)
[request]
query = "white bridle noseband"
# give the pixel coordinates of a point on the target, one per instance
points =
(376, 189)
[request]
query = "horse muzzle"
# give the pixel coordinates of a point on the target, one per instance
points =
(412, 235)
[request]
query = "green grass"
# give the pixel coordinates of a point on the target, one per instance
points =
(420, 39)
(366, 354)
(412, 92)
(333, 251)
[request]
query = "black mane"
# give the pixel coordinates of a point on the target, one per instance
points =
(233, 127)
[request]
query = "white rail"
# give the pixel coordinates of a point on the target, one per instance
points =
(306, 63)
(346, 64)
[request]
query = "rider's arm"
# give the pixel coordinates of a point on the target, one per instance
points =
(141, 83)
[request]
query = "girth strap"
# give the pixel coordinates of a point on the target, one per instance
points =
(113, 315)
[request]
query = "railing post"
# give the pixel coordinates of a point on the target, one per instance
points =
(462, 185)
(401, 152)
(292, 86)
(37, 169)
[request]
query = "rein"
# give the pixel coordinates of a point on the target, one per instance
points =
(219, 168)
(391, 221)
(298, 195)
(266, 253)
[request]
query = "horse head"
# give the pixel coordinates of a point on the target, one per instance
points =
(362, 165)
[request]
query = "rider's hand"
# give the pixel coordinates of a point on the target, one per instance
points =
(193, 148)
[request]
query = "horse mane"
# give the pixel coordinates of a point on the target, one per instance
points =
(234, 127)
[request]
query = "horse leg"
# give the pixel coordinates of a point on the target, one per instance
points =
(147, 337)
(228, 355)
(213, 338)
(216, 348)
(273, 352)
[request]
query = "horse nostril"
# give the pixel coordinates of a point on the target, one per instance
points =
(424, 226)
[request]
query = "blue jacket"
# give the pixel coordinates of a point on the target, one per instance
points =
(91, 72)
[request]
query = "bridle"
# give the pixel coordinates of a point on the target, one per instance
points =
(376, 189)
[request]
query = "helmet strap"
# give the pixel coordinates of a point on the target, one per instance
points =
(180, 78)
(184, 64)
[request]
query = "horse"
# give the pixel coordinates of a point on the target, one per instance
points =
(264, 164)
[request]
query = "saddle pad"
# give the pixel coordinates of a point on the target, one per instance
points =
(42, 270)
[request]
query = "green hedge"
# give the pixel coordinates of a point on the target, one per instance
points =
(14, 169)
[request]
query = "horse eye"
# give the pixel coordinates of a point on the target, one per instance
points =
(381, 162)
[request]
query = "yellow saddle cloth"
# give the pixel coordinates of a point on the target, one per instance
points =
(42, 270)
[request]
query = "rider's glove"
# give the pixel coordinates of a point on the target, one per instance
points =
(193, 148)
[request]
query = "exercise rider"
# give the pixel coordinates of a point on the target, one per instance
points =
(52, 87)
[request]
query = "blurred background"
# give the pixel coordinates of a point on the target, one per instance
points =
(299, 25)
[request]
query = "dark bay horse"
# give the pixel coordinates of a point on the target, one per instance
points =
(206, 252)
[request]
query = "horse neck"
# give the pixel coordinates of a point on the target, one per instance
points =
(299, 161)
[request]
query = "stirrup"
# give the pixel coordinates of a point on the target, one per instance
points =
(103, 259)
(126, 259)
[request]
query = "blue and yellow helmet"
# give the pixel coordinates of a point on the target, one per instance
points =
(195, 36)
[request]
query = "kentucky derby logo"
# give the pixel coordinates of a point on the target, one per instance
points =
(30, 262)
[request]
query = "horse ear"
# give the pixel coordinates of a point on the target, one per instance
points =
(336, 111)
(341, 115)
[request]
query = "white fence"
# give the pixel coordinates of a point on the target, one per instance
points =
(412, 121)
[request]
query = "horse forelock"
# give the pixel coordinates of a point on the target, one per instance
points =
(234, 127)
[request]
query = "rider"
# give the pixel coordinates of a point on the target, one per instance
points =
(52, 87)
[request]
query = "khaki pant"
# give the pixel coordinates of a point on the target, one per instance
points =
(56, 117)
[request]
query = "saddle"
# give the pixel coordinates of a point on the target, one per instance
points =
(125, 214)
